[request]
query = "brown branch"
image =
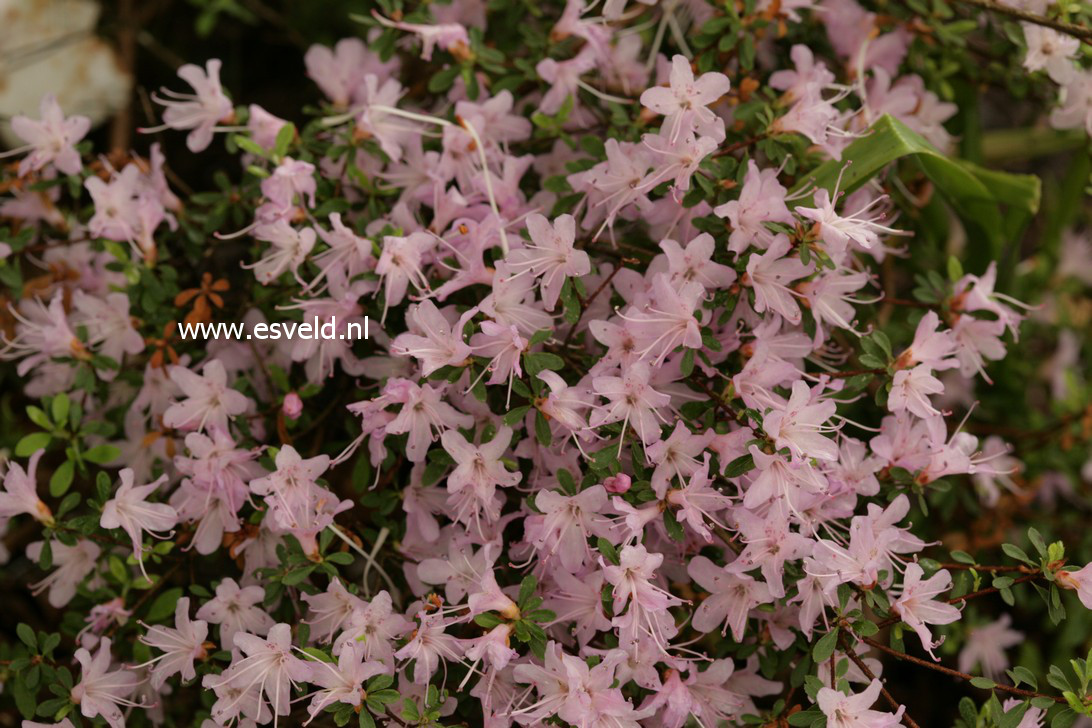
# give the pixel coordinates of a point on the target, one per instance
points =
(991, 569)
(1077, 31)
(991, 589)
(731, 148)
(956, 673)
(848, 650)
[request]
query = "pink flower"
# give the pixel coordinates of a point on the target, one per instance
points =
(930, 346)
(567, 523)
(180, 646)
(422, 412)
(761, 200)
(852, 711)
(428, 647)
(618, 483)
(672, 319)
(917, 607)
(478, 472)
(292, 406)
(1081, 581)
(343, 683)
(288, 250)
(20, 492)
(731, 597)
(910, 391)
(209, 402)
(267, 662)
(200, 111)
(71, 565)
(52, 139)
(236, 610)
(100, 691)
(400, 264)
(130, 511)
(632, 402)
(698, 501)
(493, 647)
(769, 275)
(986, 644)
(550, 255)
(432, 339)
(684, 102)
(799, 424)
(695, 263)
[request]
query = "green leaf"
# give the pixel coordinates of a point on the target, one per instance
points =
(38, 417)
(62, 478)
(673, 527)
(102, 454)
(26, 636)
(31, 444)
(610, 553)
(515, 414)
(824, 648)
(527, 589)
(973, 192)
(1021, 674)
(1037, 541)
(739, 466)
(366, 720)
(164, 605)
(341, 558)
(983, 682)
(542, 360)
(285, 137)
(487, 620)
(59, 408)
(962, 557)
(24, 698)
(542, 429)
(1015, 552)
(687, 364)
(955, 269)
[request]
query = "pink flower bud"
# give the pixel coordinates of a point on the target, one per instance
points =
(618, 483)
(292, 406)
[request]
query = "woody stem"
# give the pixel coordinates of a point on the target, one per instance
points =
(955, 673)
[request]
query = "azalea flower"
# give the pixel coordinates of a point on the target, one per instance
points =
(51, 140)
(236, 609)
(853, 711)
(101, 691)
(130, 511)
(180, 646)
(200, 111)
(20, 492)
(550, 256)
(268, 663)
(917, 607)
(71, 565)
(209, 401)
(684, 102)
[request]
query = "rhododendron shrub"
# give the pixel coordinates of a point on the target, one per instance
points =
(728, 364)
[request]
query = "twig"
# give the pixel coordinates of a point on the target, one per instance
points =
(731, 148)
(991, 590)
(1077, 31)
(955, 673)
(848, 650)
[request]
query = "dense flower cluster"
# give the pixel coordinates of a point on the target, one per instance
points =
(644, 417)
